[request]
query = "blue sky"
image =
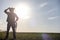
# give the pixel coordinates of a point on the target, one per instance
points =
(45, 15)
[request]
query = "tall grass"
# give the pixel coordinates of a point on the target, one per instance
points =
(30, 36)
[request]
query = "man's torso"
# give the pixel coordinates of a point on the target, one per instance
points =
(11, 17)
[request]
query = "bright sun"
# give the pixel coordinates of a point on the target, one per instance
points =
(22, 10)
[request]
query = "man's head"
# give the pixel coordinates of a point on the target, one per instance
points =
(11, 9)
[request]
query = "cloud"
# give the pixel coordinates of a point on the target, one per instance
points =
(52, 18)
(51, 10)
(43, 4)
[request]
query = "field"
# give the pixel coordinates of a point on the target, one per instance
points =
(30, 36)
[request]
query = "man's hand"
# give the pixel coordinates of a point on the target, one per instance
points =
(8, 8)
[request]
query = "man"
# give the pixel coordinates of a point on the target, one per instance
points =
(11, 22)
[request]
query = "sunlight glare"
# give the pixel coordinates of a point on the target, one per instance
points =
(22, 10)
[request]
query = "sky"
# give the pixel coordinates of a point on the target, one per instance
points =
(43, 15)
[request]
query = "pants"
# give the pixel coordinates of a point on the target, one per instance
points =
(13, 25)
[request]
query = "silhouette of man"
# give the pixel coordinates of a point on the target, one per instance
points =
(11, 22)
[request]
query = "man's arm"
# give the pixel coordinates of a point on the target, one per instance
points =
(6, 11)
(16, 17)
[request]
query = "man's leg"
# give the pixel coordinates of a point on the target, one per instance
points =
(7, 33)
(14, 31)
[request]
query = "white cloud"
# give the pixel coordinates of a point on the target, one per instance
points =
(52, 18)
(51, 10)
(43, 4)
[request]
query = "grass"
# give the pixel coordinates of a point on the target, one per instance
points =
(30, 36)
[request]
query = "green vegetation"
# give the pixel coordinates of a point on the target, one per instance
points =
(30, 36)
